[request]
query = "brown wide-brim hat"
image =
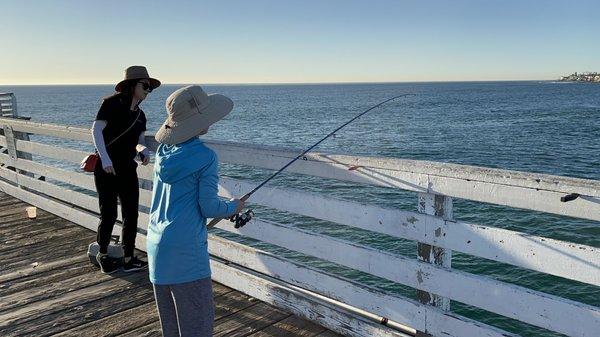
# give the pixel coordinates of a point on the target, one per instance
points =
(190, 111)
(137, 73)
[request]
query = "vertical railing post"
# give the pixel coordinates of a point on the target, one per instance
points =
(13, 105)
(11, 143)
(439, 206)
(12, 136)
(11, 146)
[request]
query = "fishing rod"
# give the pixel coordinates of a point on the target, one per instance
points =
(243, 218)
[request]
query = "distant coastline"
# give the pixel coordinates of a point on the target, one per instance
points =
(581, 77)
(294, 83)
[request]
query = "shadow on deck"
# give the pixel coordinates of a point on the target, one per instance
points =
(48, 287)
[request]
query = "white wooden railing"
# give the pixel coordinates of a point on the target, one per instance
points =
(344, 305)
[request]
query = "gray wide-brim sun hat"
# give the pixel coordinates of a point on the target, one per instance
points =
(190, 110)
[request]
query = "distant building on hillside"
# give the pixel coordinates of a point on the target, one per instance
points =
(582, 77)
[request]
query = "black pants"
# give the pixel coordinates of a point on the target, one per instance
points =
(124, 186)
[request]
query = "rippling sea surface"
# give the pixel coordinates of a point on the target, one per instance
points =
(543, 127)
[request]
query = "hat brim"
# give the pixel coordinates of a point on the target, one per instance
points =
(175, 132)
(154, 83)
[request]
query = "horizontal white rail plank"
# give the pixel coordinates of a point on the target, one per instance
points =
(71, 197)
(438, 169)
(584, 207)
(547, 311)
(45, 129)
(50, 151)
(473, 188)
(538, 192)
(70, 177)
(569, 260)
(64, 154)
(405, 311)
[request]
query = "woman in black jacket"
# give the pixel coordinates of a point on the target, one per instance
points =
(118, 136)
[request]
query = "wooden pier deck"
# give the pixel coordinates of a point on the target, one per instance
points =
(48, 287)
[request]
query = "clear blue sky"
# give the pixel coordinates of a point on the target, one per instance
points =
(255, 41)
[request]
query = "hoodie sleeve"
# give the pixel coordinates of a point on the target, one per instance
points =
(210, 204)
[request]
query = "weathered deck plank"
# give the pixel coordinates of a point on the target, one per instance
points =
(78, 278)
(149, 330)
(33, 271)
(35, 234)
(249, 320)
(39, 254)
(15, 218)
(137, 317)
(48, 287)
(51, 275)
(73, 304)
(290, 327)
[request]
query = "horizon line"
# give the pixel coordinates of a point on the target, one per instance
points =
(294, 83)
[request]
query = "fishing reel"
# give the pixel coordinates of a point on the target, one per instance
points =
(242, 218)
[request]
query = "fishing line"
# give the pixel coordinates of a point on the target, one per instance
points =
(243, 218)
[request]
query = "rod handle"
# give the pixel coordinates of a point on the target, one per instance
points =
(214, 222)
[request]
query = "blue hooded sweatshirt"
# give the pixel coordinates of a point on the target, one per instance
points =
(184, 195)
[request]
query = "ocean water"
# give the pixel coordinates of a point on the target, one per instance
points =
(540, 127)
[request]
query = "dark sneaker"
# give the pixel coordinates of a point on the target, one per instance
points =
(134, 264)
(108, 265)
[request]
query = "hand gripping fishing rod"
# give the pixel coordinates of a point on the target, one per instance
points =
(243, 218)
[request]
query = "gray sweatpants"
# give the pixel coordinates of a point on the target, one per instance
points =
(186, 309)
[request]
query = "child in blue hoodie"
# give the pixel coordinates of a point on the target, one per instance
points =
(184, 196)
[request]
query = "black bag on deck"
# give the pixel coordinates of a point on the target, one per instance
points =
(115, 250)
